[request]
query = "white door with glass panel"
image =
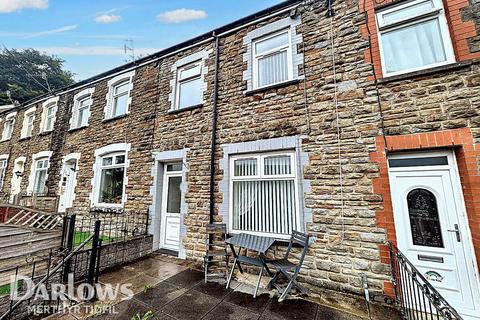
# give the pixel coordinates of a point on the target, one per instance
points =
(432, 228)
(67, 189)
(171, 205)
(16, 181)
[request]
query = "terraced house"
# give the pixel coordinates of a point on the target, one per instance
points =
(357, 122)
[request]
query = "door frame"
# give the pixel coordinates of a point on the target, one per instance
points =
(70, 157)
(163, 208)
(464, 225)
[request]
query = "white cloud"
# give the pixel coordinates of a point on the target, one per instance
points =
(108, 18)
(94, 51)
(53, 31)
(7, 6)
(181, 15)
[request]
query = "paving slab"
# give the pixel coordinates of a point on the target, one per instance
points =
(126, 310)
(327, 313)
(214, 289)
(192, 305)
(160, 295)
(290, 309)
(157, 268)
(229, 311)
(247, 301)
(187, 278)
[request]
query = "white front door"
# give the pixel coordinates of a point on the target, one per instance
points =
(16, 181)
(171, 204)
(432, 228)
(67, 187)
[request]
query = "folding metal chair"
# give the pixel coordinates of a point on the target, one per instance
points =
(216, 249)
(290, 269)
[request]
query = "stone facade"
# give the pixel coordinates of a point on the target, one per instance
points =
(338, 108)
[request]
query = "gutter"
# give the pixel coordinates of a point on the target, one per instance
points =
(192, 43)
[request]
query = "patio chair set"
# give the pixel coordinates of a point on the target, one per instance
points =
(217, 245)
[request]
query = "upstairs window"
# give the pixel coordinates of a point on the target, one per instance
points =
(50, 118)
(81, 109)
(118, 97)
(272, 59)
(112, 179)
(264, 196)
(41, 167)
(28, 120)
(414, 36)
(189, 85)
(8, 127)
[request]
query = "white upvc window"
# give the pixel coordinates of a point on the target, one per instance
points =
(414, 35)
(50, 116)
(3, 168)
(28, 121)
(272, 59)
(8, 127)
(189, 85)
(112, 178)
(264, 194)
(41, 167)
(119, 95)
(82, 102)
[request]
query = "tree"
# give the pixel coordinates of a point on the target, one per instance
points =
(28, 73)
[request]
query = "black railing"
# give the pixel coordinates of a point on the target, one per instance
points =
(416, 298)
(55, 270)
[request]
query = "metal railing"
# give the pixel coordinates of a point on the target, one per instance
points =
(416, 298)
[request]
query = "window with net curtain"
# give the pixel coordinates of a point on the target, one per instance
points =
(41, 167)
(112, 178)
(272, 59)
(414, 36)
(264, 194)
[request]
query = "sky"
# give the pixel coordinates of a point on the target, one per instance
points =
(90, 35)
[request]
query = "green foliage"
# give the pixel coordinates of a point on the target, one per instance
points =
(5, 289)
(79, 237)
(21, 73)
(147, 287)
(146, 316)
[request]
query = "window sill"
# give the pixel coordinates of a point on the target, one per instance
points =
(77, 128)
(115, 118)
(197, 106)
(107, 209)
(44, 133)
(425, 72)
(273, 86)
(24, 138)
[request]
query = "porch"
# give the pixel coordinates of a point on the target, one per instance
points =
(169, 288)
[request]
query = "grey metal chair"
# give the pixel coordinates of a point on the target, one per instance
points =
(216, 249)
(288, 268)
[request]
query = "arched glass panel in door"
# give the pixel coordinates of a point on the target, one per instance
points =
(424, 219)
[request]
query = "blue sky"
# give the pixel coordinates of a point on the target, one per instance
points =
(90, 35)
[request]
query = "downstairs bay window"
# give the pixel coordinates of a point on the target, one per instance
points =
(264, 194)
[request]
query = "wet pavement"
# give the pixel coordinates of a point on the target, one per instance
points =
(168, 289)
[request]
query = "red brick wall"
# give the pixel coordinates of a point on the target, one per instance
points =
(468, 156)
(460, 31)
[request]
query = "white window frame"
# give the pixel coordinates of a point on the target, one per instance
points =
(52, 102)
(110, 97)
(29, 114)
(43, 155)
(262, 176)
(256, 57)
(188, 79)
(9, 119)
(437, 13)
(83, 95)
(3, 169)
(107, 151)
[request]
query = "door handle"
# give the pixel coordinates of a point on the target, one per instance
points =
(457, 232)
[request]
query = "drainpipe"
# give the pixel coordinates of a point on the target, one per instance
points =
(214, 129)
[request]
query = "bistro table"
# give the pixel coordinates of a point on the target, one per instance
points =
(252, 242)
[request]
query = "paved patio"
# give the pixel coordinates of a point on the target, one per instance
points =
(170, 289)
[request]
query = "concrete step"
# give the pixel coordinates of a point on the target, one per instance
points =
(30, 247)
(18, 242)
